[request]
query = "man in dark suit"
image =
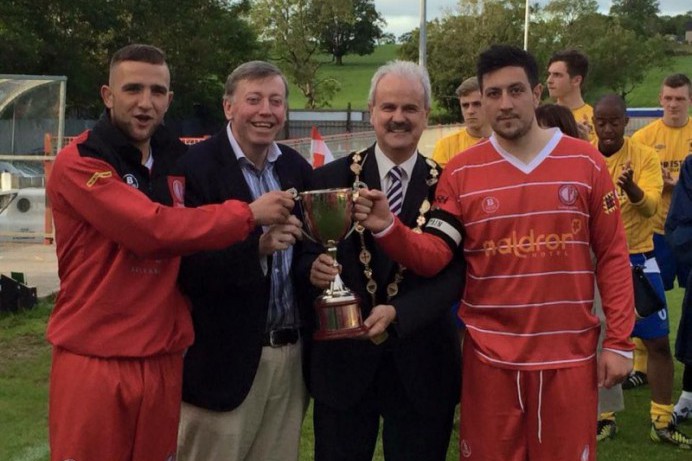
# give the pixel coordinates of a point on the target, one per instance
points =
(408, 373)
(244, 396)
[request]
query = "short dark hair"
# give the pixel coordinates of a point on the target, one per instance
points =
(577, 63)
(252, 70)
(140, 53)
(677, 81)
(499, 56)
(555, 115)
(612, 99)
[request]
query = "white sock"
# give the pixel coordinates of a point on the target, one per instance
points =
(685, 395)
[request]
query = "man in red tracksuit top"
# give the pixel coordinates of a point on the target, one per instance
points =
(120, 324)
(527, 205)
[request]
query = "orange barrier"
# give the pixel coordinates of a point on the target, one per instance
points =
(47, 170)
(48, 216)
(190, 141)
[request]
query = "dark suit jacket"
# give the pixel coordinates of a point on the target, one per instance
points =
(228, 290)
(423, 341)
(679, 237)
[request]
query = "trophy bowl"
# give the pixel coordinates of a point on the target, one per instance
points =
(327, 218)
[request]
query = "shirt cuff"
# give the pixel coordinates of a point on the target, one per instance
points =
(386, 230)
(625, 354)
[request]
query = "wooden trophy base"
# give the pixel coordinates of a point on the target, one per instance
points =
(338, 318)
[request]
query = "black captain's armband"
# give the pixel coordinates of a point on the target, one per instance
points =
(446, 226)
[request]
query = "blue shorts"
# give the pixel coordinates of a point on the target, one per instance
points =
(656, 325)
(670, 267)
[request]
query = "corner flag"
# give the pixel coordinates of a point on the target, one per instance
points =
(319, 149)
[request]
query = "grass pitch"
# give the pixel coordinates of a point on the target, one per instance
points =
(25, 365)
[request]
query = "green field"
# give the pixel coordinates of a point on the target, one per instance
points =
(25, 363)
(354, 77)
(646, 95)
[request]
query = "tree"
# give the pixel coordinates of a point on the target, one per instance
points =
(619, 57)
(640, 16)
(61, 40)
(348, 26)
(455, 41)
(406, 37)
(289, 28)
(203, 39)
(387, 38)
(675, 25)
(209, 40)
(569, 11)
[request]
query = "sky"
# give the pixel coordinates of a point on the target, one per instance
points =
(404, 15)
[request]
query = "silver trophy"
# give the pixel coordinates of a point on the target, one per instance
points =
(327, 215)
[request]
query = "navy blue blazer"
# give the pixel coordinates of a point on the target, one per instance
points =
(228, 289)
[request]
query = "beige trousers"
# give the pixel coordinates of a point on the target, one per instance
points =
(265, 427)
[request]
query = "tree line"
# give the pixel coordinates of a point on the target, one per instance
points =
(622, 46)
(206, 39)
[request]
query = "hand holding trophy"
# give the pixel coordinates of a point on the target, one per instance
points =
(327, 215)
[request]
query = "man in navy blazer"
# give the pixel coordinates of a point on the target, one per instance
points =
(406, 369)
(244, 396)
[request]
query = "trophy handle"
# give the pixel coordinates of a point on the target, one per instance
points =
(309, 237)
(350, 231)
(356, 187)
(298, 199)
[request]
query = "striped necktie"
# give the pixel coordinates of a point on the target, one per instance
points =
(395, 195)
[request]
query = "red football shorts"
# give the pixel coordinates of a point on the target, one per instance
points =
(114, 409)
(510, 415)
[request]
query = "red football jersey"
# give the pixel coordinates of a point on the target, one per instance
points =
(528, 235)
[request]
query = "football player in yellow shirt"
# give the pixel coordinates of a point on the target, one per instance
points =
(671, 137)
(476, 127)
(636, 171)
(567, 71)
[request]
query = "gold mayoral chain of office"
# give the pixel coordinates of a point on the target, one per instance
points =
(365, 256)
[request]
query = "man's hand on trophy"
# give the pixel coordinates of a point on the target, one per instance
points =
(272, 208)
(381, 316)
(371, 209)
(323, 271)
(280, 236)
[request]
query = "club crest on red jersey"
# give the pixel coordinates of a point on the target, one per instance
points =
(490, 204)
(568, 194)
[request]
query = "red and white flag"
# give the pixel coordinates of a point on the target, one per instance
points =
(319, 149)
